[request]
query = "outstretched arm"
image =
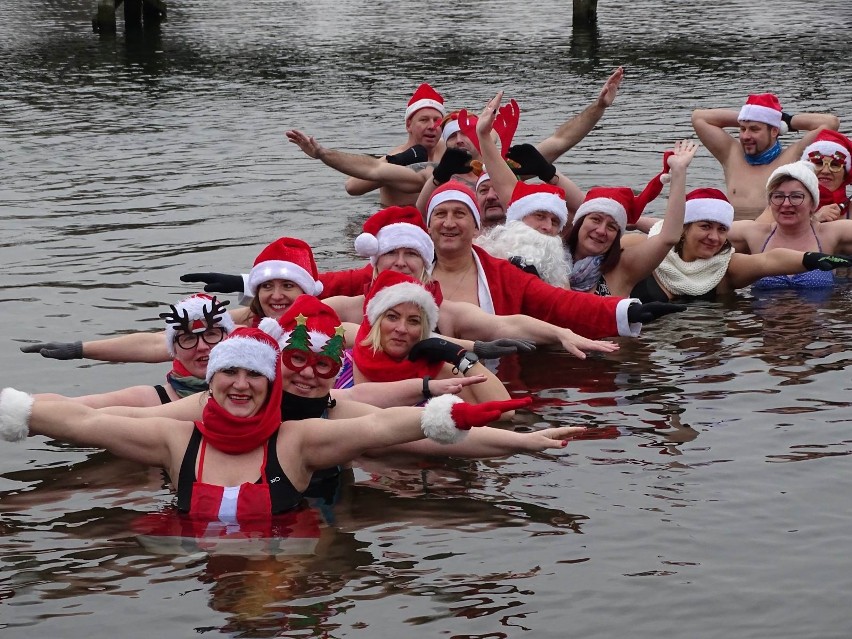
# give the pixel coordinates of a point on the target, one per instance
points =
(364, 167)
(709, 125)
(578, 127)
(134, 347)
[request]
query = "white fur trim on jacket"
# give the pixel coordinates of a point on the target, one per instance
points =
(399, 294)
(243, 352)
(547, 202)
(15, 409)
(603, 205)
(278, 270)
(437, 420)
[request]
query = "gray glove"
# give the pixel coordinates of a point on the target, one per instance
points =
(56, 350)
(500, 347)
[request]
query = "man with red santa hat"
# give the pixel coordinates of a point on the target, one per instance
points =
(747, 165)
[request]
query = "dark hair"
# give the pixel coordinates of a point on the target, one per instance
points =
(611, 257)
(678, 248)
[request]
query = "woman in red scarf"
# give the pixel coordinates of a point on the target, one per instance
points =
(393, 342)
(239, 462)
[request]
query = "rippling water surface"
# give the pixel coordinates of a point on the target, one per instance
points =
(713, 496)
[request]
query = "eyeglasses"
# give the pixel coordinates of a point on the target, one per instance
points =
(210, 336)
(298, 360)
(834, 163)
(777, 198)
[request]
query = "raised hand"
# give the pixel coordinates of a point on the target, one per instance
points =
(648, 312)
(307, 143)
(682, 154)
(485, 123)
(610, 88)
(501, 347)
(56, 350)
(216, 282)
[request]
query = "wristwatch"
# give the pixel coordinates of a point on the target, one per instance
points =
(470, 358)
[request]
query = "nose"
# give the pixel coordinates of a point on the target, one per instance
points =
(241, 379)
(202, 346)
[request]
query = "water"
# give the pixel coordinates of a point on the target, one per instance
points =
(713, 498)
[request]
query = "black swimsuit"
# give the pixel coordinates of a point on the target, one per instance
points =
(282, 493)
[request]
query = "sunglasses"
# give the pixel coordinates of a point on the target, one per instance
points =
(298, 360)
(834, 163)
(210, 336)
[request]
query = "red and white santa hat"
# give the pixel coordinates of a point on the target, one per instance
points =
(321, 321)
(708, 205)
(391, 288)
(393, 228)
(245, 347)
(532, 198)
(828, 143)
(287, 258)
(198, 308)
(803, 172)
(450, 125)
(425, 97)
(482, 178)
(453, 191)
(763, 107)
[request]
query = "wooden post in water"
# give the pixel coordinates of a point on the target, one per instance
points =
(132, 15)
(585, 12)
(153, 12)
(104, 20)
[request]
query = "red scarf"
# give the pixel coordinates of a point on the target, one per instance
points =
(827, 197)
(378, 366)
(239, 435)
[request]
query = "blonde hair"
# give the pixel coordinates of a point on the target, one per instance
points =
(424, 276)
(374, 337)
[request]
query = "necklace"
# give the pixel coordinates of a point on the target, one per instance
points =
(459, 282)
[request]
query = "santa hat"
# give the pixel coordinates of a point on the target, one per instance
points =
(801, 171)
(287, 258)
(453, 191)
(393, 228)
(198, 308)
(763, 107)
(828, 143)
(425, 97)
(532, 198)
(391, 288)
(450, 125)
(245, 347)
(619, 202)
(482, 178)
(708, 205)
(320, 320)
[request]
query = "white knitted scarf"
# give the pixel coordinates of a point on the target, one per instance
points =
(690, 278)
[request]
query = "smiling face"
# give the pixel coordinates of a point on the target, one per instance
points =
(452, 227)
(781, 203)
(195, 358)
(702, 240)
(831, 172)
(424, 127)
(402, 260)
(305, 382)
(597, 233)
(239, 391)
(756, 137)
(400, 328)
(276, 296)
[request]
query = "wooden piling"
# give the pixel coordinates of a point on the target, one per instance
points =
(153, 12)
(132, 15)
(585, 12)
(104, 19)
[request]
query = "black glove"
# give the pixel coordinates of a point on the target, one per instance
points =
(453, 161)
(500, 347)
(56, 350)
(644, 313)
(825, 262)
(532, 162)
(216, 282)
(435, 349)
(416, 153)
(522, 264)
(787, 118)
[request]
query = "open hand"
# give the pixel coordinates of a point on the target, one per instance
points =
(307, 143)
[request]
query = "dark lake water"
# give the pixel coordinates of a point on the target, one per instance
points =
(715, 497)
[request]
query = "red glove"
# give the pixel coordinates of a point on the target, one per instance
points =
(467, 415)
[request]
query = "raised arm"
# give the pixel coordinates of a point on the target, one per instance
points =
(578, 127)
(502, 179)
(142, 440)
(709, 125)
(364, 167)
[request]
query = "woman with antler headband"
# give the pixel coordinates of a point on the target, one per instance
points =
(239, 462)
(193, 326)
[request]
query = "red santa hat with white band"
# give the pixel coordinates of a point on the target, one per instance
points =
(425, 97)
(393, 228)
(245, 347)
(391, 288)
(828, 143)
(453, 191)
(708, 205)
(533, 198)
(286, 258)
(763, 107)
